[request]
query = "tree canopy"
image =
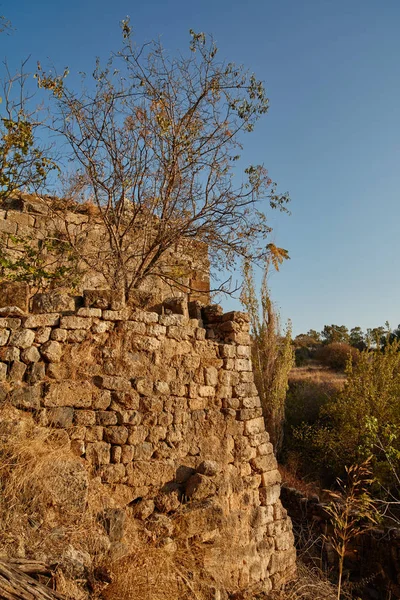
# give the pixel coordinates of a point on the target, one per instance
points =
(155, 141)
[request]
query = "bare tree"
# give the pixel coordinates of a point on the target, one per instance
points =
(154, 140)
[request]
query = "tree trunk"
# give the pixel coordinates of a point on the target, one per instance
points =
(16, 583)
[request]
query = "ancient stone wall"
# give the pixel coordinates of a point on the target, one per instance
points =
(163, 408)
(41, 222)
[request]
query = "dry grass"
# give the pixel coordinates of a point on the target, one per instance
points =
(290, 478)
(311, 584)
(317, 374)
(169, 572)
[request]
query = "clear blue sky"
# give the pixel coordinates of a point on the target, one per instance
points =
(331, 137)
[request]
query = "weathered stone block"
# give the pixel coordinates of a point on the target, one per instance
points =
(9, 323)
(68, 393)
(4, 336)
(52, 302)
(98, 453)
(3, 371)
(30, 355)
(101, 399)
(17, 371)
(14, 293)
(59, 335)
(52, 351)
(75, 323)
(44, 320)
(116, 434)
(106, 417)
(267, 462)
(254, 426)
(116, 454)
(42, 335)
(97, 298)
(200, 487)
(94, 433)
(22, 338)
(87, 418)
(89, 312)
(61, 416)
(27, 398)
(112, 473)
(269, 495)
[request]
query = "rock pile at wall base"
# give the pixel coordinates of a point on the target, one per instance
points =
(163, 409)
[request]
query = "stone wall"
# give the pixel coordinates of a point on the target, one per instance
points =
(163, 408)
(40, 221)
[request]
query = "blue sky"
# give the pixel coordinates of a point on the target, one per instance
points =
(331, 137)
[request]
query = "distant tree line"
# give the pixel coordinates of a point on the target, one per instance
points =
(333, 345)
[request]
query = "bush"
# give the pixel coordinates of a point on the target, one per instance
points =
(336, 355)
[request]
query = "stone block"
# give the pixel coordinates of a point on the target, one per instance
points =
(254, 426)
(36, 372)
(42, 335)
(87, 418)
(116, 434)
(68, 393)
(200, 487)
(133, 327)
(42, 320)
(30, 355)
(9, 323)
(269, 495)
(116, 454)
(75, 323)
(76, 336)
(14, 294)
(4, 336)
(206, 391)
(98, 453)
(94, 433)
(113, 383)
(52, 351)
(52, 302)
(89, 312)
(59, 335)
(27, 398)
(22, 338)
(112, 473)
(127, 454)
(97, 298)
(211, 376)
(116, 315)
(144, 451)
(106, 417)
(17, 371)
(61, 416)
(267, 462)
(144, 316)
(144, 386)
(101, 399)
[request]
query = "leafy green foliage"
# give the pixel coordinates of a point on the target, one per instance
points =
(43, 264)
